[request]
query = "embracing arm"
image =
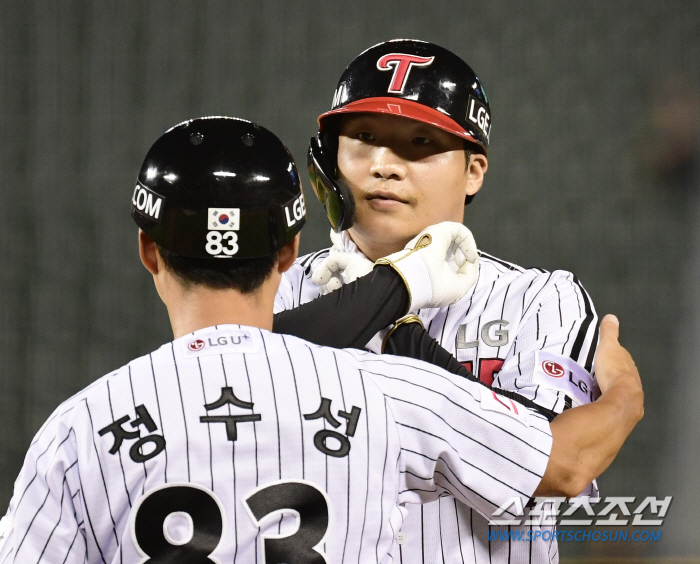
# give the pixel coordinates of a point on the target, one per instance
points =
(350, 316)
(44, 516)
(586, 439)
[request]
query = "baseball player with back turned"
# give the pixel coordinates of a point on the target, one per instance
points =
(405, 147)
(234, 444)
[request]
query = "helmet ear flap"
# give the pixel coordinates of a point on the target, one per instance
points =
(329, 140)
(335, 197)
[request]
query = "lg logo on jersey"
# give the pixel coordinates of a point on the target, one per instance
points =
(219, 343)
(553, 369)
(493, 334)
(196, 345)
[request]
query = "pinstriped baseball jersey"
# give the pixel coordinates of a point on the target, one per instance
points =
(238, 445)
(526, 330)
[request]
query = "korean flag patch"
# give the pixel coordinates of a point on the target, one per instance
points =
(224, 219)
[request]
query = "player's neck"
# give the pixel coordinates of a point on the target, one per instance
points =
(373, 249)
(205, 307)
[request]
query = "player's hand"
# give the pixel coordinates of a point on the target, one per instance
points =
(614, 366)
(438, 266)
(340, 267)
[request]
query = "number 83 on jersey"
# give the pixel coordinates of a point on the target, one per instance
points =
(203, 523)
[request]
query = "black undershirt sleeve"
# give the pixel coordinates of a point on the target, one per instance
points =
(350, 316)
(410, 339)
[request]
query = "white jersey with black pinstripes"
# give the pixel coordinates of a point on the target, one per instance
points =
(509, 324)
(243, 446)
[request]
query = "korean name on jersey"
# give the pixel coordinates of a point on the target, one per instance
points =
(237, 445)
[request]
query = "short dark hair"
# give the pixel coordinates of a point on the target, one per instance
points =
(244, 275)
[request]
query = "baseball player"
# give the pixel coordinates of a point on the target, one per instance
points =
(405, 146)
(234, 444)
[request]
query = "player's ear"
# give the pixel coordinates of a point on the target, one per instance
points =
(477, 167)
(288, 254)
(148, 253)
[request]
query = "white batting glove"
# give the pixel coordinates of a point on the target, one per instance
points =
(340, 267)
(438, 266)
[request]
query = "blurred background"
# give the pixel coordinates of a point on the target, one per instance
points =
(594, 167)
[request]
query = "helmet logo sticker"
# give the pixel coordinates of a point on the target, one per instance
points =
(224, 219)
(479, 115)
(298, 210)
(147, 202)
(402, 64)
(340, 95)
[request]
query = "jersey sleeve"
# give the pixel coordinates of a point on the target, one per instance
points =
(296, 286)
(43, 522)
(284, 299)
(458, 437)
(551, 360)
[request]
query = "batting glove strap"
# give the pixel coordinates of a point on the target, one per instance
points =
(415, 275)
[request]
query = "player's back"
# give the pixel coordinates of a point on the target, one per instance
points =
(254, 447)
(220, 435)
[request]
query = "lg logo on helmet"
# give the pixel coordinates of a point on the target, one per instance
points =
(479, 115)
(296, 211)
(402, 65)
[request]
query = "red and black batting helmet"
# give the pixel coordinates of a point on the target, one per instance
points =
(403, 77)
(219, 187)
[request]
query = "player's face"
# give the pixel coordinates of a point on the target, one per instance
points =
(405, 175)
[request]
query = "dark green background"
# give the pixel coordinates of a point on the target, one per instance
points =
(86, 87)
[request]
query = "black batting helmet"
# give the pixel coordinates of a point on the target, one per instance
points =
(219, 187)
(403, 77)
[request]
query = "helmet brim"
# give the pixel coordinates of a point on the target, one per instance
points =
(403, 108)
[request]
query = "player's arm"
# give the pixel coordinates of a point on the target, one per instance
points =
(43, 517)
(350, 316)
(586, 439)
(415, 278)
(461, 438)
